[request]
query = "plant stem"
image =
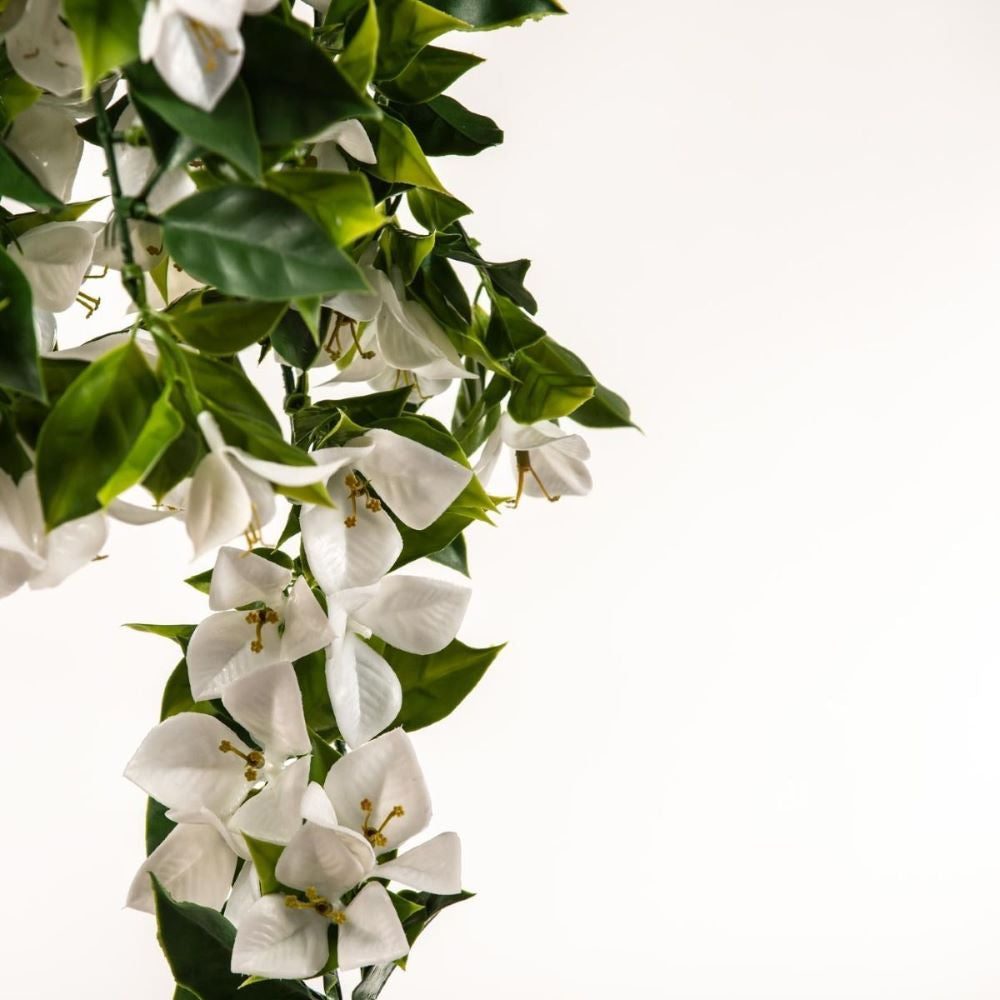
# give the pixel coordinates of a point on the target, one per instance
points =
(331, 986)
(373, 982)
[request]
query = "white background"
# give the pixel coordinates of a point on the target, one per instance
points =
(743, 743)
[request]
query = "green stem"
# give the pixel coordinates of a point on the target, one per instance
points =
(331, 986)
(373, 982)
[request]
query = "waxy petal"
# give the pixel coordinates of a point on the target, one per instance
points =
(46, 141)
(365, 692)
(241, 577)
(70, 546)
(246, 892)
(273, 814)
(561, 470)
(219, 652)
(372, 934)
(54, 258)
(386, 773)
(194, 864)
(180, 764)
(219, 507)
(268, 704)
(277, 942)
(42, 49)
(198, 63)
(435, 866)
(317, 807)
(331, 861)
(351, 137)
(307, 627)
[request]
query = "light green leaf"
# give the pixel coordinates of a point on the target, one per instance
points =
(357, 61)
(181, 634)
(341, 203)
(227, 327)
(16, 95)
(18, 225)
(19, 368)
(406, 27)
(553, 383)
(430, 73)
(107, 35)
(265, 857)
(19, 183)
(400, 158)
(487, 14)
(257, 245)
(433, 210)
(163, 426)
(91, 431)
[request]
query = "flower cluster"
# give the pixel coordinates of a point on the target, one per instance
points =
(269, 199)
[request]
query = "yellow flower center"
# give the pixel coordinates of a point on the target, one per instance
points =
(318, 904)
(374, 834)
(254, 760)
(266, 616)
(358, 488)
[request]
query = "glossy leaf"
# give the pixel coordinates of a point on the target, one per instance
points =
(91, 431)
(293, 341)
(19, 367)
(455, 555)
(487, 14)
(224, 383)
(509, 329)
(19, 183)
(430, 73)
(107, 34)
(158, 827)
(553, 382)
(227, 327)
(257, 245)
(433, 210)
(604, 409)
(265, 856)
(181, 634)
(341, 203)
(400, 158)
(405, 27)
(443, 127)
(357, 61)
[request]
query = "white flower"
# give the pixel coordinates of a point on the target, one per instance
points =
(383, 338)
(45, 139)
(55, 259)
(196, 45)
(349, 136)
(203, 772)
(231, 492)
(43, 50)
(27, 553)
(548, 462)
(373, 800)
(358, 543)
(230, 645)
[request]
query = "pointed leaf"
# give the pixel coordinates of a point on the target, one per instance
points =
(19, 367)
(107, 34)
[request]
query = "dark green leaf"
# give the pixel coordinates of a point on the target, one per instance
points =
(509, 329)
(228, 326)
(225, 384)
(14, 459)
(311, 673)
(107, 34)
(444, 127)
(487, 14)
(91, 430)
(256, 245)
(228, 130)
(265, 857)
(19, 183)
(405, 252)
(406, 27)
(16, 95)
(158, 827)
(19, 368)
(455, 556)
(435, 211)
(324, 757)
(430, 73)
(295, 88)
(434, 685)
(293, 341)
(181, 634)
(604, 409)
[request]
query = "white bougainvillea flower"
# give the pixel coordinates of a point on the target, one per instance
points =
(45, 139)
(413, 613)
(368, 805)
(358, 543)
(204, 773)
(196, 45)
(349, 136)
(43, 50)
(30, 555)
(55, 259)
(231, 492)
(229, 645)
(548, 462)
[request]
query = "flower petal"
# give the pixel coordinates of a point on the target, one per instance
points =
(273, 815)
(417, 483)
(372, 934)
(307, 627)
(42, 49)
(365, 692)
(219, 652)
(197, 70)
(435, 866)
(268, 704)
(194, 864)
(317, 807)
(560, 469)
(54, 258)
(386, 772)
(246, 892)
(415, 613)
(219, 507)
(47, 143)
(241, 577)
(180, 765)
(70, 546)
(277, 942)
(332, 861)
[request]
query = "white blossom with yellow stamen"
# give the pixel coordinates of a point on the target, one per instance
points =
(45, 139)
(55, 258)
(43, 50)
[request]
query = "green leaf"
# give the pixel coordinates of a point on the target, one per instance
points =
(293, 341)
(435, 685)
(177, 696)
(228, 130)
(265, 856)
(19, 183)
(18, 225)
(14, 459)
(16, 95)
(324, 757)
(431, 72)
(19, 367)
(455, 555)
(198, 944)
(604, 409)
(256, 245)
(295, 88)
(406, 27)
(158, 827)
(163, 426)
(91, 431)
(406, 251)
(433, 210)
(181, 634)
(400, 158)
(311, 673)
(225, 385)
(107, 34)
(228, 326)
(509, 330)
(506, 277)
(357, 61)
(341, 203)
(488, 14)
(553, 383)
(444, 127)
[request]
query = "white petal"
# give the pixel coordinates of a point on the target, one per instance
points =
(277, 942)
(268, 704)
(21, 519)
(241, 577)
(342, 557)
(180, 765)
(524, 437)
(136, 514)
(415, 613)
(306, 626)
(54, 259)
(365, 692)
(219, 507)
(331, 861)
(219, 652)
(43, 50)
(46, 142)
(402, 344)
(435, 866)
(416, 482)
(560, 470)
(386, 772)
(222, 14)
(489, 456)
(273, 814)
(194, 864)
(246, 892)
(259, 6)
(351, 137)
(372, 934)
(14, 573)
(70, 546)
(287, 475)
(317, 807)
(197, 69)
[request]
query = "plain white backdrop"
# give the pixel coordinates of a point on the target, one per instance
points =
(743, 743)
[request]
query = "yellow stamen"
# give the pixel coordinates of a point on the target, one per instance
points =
(524, 469)
(89, 302)
(102, 273)
(359, 488)
(375, 835)
(319, 904)
(254, 760)
(211, 42)
(266, 616)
